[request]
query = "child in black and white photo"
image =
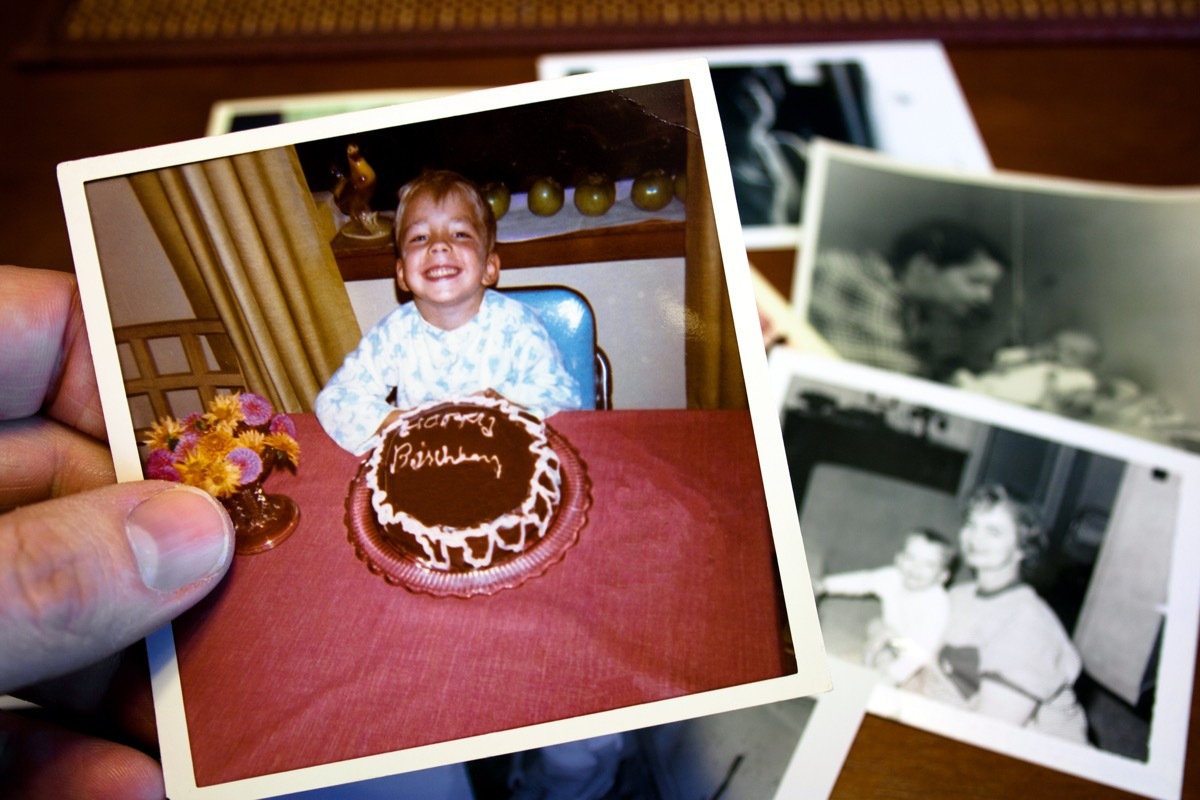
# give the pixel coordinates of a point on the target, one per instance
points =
(1056, 375)
(912, 594)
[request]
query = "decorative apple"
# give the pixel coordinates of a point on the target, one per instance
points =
(595, 194)
(681, 187)
(652, 191)
(545, 197)
(498, 198)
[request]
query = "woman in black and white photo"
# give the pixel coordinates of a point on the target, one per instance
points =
(1005, 652)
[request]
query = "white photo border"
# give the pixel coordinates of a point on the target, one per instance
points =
(812, 672)
(830, 733)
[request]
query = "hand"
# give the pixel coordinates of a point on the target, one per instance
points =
(392, 416)
(395, 413)
(87, 568)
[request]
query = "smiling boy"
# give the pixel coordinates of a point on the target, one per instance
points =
(457, 336)
(913, 603)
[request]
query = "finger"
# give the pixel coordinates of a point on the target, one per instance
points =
(80, 693)
(88, 574)
(110, 700)
(46, 362)
(113, 694)
(41, 760)
(129, 703)
(66, 462)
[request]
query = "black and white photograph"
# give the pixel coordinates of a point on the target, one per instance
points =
(1016, 581)
(483, 413)
(896, 97)
(1068, 297)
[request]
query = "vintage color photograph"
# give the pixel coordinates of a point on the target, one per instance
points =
(475, 378)
(782, 750)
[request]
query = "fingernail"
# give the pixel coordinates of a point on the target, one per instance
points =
(178, 537)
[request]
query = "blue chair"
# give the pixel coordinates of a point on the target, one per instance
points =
(568, 317)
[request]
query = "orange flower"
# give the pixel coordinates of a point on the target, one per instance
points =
(252, 439)
(286, 445)
(164, 434)
(215, 444)
(225, 412)
(216, 476)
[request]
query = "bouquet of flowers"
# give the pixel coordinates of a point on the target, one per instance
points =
(233, 445)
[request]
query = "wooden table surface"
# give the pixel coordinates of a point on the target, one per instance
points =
(1106, 111)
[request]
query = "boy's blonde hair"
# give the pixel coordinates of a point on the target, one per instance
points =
(439, 184)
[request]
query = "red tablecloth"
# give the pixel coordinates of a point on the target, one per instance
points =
(303, 657)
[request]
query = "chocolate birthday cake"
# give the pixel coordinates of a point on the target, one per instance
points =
(465, 485)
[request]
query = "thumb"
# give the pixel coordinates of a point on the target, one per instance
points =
(86, 575)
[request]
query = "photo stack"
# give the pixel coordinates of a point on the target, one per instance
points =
(542, 490)
(996, 474)
(481, 383)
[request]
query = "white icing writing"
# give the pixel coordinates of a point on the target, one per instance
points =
(407, 456)
(480, 419)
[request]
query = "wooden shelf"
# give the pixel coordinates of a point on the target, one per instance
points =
(360, 260)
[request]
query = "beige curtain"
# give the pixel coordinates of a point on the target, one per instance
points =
(714, 368)
(244, 236)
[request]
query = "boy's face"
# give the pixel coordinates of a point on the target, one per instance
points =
(922, 563)
(444, 259)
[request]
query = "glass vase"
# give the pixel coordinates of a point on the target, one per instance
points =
(262, 521)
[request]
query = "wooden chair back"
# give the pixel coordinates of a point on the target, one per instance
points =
(176, 389)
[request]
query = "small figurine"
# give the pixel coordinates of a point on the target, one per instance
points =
(353, 192)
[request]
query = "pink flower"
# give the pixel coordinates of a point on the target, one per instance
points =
(160, 457)
(248, 462)
(187, 442)
(256, 409)
(282, 423)
(160, 465)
